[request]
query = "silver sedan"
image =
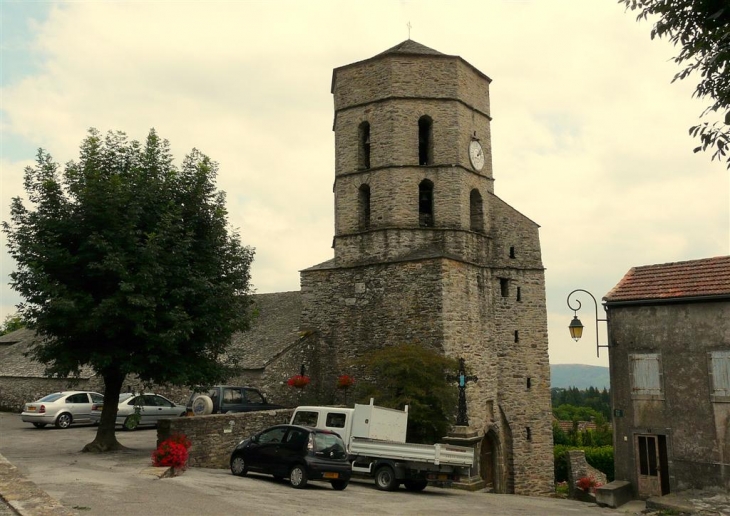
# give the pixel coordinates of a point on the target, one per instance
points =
(149, 407)
(61, 409)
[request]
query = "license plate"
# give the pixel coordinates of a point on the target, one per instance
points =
(331, 475)
(31, 409)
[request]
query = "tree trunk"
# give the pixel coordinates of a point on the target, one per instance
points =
(106, 439)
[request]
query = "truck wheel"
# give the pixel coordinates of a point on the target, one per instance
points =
(202, 406)
(298, 477)
(385, 479)
(415, 485)
(339, 485)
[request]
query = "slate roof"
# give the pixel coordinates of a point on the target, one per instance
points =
(14, 363)
(410, 47)
(274, 329)
(709, 277)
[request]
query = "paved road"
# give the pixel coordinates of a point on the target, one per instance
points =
(119, 483)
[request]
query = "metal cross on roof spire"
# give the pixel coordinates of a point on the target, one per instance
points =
(409, 29)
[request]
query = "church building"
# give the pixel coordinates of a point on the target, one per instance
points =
(426, 253)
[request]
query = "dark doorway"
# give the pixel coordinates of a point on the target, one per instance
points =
(488, 461)
(652, 465)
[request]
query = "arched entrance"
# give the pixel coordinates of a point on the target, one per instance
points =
(488, 461)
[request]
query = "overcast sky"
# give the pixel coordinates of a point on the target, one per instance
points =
(589, 136)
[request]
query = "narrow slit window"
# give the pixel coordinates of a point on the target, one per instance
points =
(529, 382)
(512, 252)
(517, 336)
(528, 433)
(425, 141)
(519, 293)
(363, 202)
(476, 211)
(364, 151)
(425, 204)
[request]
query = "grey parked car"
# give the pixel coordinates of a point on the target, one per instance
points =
(61, 409)
(152, 408)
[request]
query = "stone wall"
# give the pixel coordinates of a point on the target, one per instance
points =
(579, 468)
(214, 437)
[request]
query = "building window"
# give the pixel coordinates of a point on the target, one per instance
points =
(504, 287)
(364, 148)
(512, 252)
(528, 433)
(425, 204)
(425, 141)
(363, 206)
(529, 382)
(517, 336)
(476, 211)
(646, 376)
(519, 294)
(719, 368)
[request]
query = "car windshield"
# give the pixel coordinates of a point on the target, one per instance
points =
(330, 444)
(52, 397)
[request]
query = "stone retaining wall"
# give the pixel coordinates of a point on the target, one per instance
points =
(214, 437)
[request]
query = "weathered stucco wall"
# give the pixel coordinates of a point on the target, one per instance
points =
(697, 429)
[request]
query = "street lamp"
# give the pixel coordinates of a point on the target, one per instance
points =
(576, 327)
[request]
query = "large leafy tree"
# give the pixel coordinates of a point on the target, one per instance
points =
(11, 323)
(126, 263)
(409, 374)
(702, 29)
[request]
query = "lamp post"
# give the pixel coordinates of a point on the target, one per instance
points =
(576, 327)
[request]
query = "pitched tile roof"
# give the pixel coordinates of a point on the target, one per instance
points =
(680, 280)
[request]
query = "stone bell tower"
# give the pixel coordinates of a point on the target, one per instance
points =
(424, 252)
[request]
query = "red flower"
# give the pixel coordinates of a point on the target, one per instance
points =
(345, 381)
(299, 381)
(172, 452)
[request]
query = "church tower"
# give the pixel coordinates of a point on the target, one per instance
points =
(425, 252)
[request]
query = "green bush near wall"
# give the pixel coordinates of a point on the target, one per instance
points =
(600, 457)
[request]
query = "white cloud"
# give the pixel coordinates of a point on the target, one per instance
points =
(589, 136)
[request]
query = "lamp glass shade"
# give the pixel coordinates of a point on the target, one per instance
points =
(576, 328)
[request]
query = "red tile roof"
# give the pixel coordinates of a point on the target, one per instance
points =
(694, 278)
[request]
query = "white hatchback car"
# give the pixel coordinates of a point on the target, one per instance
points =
(61, 409)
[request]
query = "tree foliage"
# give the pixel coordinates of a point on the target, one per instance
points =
(599, 401)
(412, 375)
(11, 323)
(702, 29)
(126, 264)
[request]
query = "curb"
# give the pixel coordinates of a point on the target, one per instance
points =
(25, 497)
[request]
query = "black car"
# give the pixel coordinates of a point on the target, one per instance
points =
(298, 453)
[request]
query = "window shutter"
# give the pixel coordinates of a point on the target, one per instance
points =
(720, 372)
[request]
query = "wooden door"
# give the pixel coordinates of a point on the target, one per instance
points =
(487, 461)
(651, 465)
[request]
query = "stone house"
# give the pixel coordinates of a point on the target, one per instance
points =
(669, 353)
(424, 252)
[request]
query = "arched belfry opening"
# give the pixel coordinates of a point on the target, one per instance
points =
(425, 140)
(476, 211)
(425, 204)
(363, 135)
(363, 206)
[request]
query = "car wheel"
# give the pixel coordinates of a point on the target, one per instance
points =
(415, 485)
(298, 477)
(238, 466)
(64, 420)
(39, 425)
(130, 423)
(385, 479)
(339, 485)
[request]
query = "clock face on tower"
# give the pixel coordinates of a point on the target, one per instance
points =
(476, 154)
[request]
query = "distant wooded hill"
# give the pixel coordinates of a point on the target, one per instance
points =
(580, 376)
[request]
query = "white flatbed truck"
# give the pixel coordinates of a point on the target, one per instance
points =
(376, 440)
